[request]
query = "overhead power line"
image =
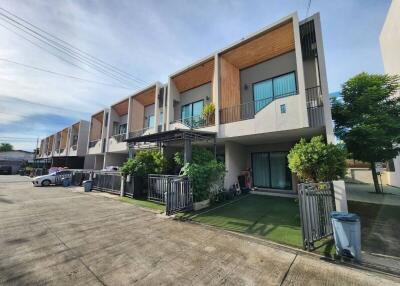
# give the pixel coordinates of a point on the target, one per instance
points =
(72, 55)
(68, 49)
(60, 74)
(77, 49)
(47, 50)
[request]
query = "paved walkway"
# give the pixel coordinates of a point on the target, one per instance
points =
(55, 236)
(366, 193)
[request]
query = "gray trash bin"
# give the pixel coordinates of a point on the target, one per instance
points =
(87, 185)
(66, 182)
(347, 234)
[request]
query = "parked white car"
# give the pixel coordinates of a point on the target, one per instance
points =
(50, 179)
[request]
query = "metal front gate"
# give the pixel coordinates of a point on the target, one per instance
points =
(316, 202)
(173, 191)
(107, 182)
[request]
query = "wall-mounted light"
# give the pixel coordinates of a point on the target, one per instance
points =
(207, 97)
(246, 87)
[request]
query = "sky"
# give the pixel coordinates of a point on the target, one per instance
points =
(151, 39)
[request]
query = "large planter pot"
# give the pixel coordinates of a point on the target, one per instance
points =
(201, 205)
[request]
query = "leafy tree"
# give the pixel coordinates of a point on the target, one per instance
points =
(316, 161)
(368, 118)
(203, 171)
(145, 162)
(6, 147)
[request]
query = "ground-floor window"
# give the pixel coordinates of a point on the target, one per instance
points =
(270, 170)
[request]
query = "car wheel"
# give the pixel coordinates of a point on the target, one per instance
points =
(46, 183)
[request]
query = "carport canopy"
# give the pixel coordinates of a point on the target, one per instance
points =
(176, 135)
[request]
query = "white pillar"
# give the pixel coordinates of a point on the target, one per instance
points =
(340, 196)
(122, 185)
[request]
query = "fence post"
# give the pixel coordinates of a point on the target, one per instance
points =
(339, 190)
(122, 185)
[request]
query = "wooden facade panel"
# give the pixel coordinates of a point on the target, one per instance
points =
(195, 77)
(229, 84)
(136, 116)
(96, 127)
(267, 46)
(64, 137)
(147, 97)
(122, 107)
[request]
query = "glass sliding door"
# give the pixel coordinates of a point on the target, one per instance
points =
(191, 113)
(263, 94)
(280, 174)
(285, 85)
(270, 170)
(261, 172)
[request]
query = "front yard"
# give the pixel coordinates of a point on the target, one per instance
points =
(271, 218)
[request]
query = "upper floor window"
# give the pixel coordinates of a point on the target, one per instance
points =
(193, 109)
(122, 128)
(266, 91)
(150, 121)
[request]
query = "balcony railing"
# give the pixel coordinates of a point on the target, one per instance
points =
(140, 132)
(93, 143)
(315, 106)
(119, 137)
(242, 111)
(195, 122)
(248, 110)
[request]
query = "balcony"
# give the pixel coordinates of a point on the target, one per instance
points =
(195, 122)
(141, 132)
(93, 143)
(119, 137)
(247, 110)
(315, 106)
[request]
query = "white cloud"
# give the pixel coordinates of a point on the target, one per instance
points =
(152, 39)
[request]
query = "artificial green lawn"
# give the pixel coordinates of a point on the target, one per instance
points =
(268, 217)
(143, 203)
(272, 218)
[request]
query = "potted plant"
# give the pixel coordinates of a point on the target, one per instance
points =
(209, 113)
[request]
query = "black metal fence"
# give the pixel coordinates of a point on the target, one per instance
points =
(134, 187)
(107, 182)
(316, 202)
(173, 191)
(78, 176)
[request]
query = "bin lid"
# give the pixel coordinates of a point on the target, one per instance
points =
(342, 216)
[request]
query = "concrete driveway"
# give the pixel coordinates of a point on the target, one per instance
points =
(59, 237)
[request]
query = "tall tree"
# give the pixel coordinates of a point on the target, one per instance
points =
(6, 147)
(367, 119)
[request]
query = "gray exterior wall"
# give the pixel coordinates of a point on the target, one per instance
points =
(310, 72)
(193, 95)
(148, 111)
(277, 66)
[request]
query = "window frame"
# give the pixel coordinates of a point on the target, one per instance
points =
(191, 109)
(148, 121)
(290, 188)
(273, 88)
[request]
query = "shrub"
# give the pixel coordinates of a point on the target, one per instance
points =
(316, 161)
(203, 171)
(209, 111)
(145, 162)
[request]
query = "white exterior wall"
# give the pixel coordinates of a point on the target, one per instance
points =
(236, 157)
(83, 136)
(390, 48)
(268, 119)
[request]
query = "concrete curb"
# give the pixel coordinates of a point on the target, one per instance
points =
(363, 267)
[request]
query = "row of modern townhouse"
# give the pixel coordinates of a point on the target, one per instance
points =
(268, 89)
